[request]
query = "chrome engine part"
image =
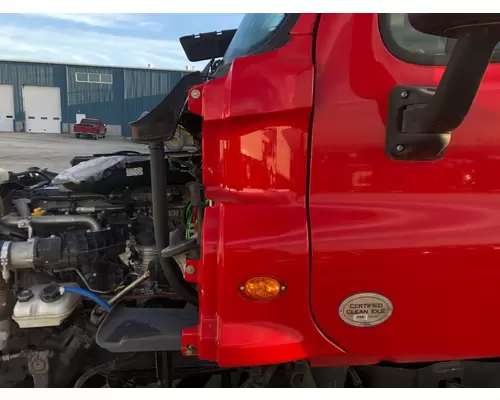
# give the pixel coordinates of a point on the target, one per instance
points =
(147, 253)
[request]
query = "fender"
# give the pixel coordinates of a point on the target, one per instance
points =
(255, 135)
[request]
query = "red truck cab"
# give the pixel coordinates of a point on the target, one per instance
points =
(90, 128)
(384, 242)
(338, 220)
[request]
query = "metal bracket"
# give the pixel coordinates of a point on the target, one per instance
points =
(38, 367)
(301, 375)
(403, 141)
(4, 260)
(449, 373)
(260, 376)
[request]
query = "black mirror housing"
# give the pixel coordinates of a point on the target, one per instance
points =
(207, 46)
(421, 120)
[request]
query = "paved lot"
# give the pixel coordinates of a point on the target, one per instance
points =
(19, 151)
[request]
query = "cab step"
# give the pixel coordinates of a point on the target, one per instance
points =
(127, 329)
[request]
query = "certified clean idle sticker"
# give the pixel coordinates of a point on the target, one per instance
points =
(365, 309)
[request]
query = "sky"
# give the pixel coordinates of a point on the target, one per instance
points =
(131, 40)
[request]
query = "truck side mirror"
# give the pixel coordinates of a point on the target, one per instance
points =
(421, 119)
(207, 46)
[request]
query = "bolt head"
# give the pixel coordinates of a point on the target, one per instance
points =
(283, 288)
(38, 365)
(400, 148)
(404, 94)
(195, 94)
(189, 350)
(190, 269)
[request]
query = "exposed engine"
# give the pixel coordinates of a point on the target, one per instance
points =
(73, 245)
(99, 267)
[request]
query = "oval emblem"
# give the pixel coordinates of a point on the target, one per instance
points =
(365, 309)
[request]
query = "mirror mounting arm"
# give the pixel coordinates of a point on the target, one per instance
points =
(451, 101)
(421, 119)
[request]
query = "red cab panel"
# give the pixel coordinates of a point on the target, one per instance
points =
(255, 135)
(382, 260)
(425, 235)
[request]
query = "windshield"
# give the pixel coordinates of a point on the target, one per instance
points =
(88, 122)
(254, 32)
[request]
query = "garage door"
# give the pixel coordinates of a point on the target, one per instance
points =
(42, 107)
(6, 108)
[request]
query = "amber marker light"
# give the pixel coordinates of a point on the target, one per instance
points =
(262, 288)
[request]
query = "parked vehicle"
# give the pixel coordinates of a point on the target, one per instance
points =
(337, 225)
(90, 128)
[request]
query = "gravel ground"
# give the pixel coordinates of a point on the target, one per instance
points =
(19, 151)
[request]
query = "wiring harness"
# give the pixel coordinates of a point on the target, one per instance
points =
(191, 218)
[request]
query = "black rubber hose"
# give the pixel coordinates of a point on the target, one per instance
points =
(181, 248)
(105, 368)
(10, 231)
(22, 207)
(5, 311)
(85, 220)
(39, 185)
(160, 224)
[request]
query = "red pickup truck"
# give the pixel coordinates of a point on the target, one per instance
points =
(90, 128)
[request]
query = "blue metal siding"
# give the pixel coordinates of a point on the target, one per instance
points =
(95, 100)
(131, 92)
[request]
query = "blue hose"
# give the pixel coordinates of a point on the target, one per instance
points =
(87, 293)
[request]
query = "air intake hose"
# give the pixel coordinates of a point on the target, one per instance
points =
(5, 310)
(53, 220)
(69, 249)
(160, 223)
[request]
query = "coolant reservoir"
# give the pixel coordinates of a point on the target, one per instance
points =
(31, 311)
